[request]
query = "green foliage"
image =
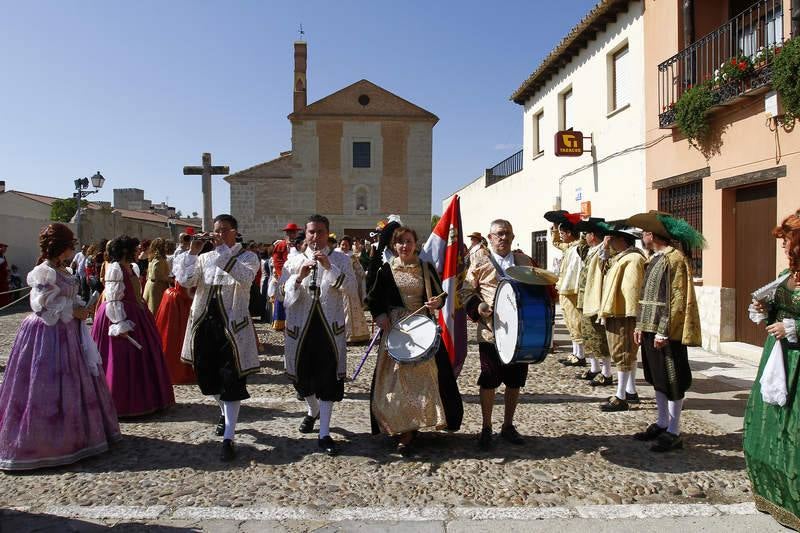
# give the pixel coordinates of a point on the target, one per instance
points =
(63, 210)
(691, 112)
(786, 76)
(434, 220)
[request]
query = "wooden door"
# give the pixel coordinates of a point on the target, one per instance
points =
(755, 254)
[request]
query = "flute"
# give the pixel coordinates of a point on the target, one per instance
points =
(313, 286)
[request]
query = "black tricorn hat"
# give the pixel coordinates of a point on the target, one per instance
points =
(556, 217)
(590, 225)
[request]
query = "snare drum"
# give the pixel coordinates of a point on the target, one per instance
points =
(413, 339)
(522, 322)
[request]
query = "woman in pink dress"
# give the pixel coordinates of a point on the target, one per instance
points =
(55, 407)
(125, 333)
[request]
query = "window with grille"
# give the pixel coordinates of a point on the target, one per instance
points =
(539, 248)
(620, 92)
(686, 202)
(361, 155)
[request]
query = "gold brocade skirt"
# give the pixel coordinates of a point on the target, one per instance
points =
(406, 395)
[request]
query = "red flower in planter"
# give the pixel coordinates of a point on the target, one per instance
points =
(733, 61)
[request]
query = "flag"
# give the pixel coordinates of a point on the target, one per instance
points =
(445, 249)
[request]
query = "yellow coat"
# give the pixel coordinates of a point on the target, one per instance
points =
(593, 290)
(623, 284)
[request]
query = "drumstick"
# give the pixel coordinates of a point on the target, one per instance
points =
(418, 310)
(133, 341)
(369, 349)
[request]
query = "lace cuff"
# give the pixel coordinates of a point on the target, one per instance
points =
(791, 329)
(120, 328)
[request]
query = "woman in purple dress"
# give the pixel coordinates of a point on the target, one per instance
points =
(55, 407)
(129, 343)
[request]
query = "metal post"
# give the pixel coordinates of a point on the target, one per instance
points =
(78, 213)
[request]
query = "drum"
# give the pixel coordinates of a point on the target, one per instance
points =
(523, 322)
(413, 339)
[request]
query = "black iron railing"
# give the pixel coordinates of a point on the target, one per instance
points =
(732, 60)
(504, 169)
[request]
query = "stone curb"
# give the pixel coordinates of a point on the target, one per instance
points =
(396, 514)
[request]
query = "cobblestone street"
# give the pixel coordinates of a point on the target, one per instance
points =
(574, 455)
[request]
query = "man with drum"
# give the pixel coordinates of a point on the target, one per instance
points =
(480, 286)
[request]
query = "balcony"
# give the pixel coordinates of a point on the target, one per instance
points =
(735, 60)
(504, 169)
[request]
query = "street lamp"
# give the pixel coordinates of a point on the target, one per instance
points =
(81, 184)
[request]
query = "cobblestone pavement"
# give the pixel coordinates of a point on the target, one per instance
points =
(573, 455)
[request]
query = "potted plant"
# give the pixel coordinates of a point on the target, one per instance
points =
(691, 112)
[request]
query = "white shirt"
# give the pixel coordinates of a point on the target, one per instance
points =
(504, 262)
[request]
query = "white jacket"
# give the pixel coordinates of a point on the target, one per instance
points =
(230, 271)
(334, 284)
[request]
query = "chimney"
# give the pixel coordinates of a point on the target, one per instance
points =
(300, 59)
(2, 186)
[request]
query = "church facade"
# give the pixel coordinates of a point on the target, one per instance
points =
(357, 156)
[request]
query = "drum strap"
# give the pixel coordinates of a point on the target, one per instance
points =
(500, 273)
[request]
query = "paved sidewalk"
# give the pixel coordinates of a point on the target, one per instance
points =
(579, 470)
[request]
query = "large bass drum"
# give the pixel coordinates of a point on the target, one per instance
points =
(522, 322)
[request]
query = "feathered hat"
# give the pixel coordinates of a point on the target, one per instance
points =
(668, 227)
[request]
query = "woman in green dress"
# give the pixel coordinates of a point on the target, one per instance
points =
(772, 420)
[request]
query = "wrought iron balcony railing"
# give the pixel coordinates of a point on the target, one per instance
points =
(504, 169)
(734, 59)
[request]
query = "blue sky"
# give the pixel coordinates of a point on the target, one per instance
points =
(139, 89)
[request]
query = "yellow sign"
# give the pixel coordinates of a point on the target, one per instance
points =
(586, 209)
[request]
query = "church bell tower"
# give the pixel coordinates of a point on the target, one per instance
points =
(300, 60)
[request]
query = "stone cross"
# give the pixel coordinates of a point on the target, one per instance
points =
(207, 171)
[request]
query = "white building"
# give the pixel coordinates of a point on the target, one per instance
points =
(592, 82)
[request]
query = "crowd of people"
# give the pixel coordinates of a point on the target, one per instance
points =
(165, 314)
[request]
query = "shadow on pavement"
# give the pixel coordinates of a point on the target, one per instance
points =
(20, 522)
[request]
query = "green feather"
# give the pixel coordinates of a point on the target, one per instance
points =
(682, 231)
(605, 226)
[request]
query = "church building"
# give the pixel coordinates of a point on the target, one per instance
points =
(357, 155)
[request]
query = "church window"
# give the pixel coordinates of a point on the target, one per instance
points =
(361, 155)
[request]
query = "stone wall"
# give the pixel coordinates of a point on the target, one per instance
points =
(717, 307)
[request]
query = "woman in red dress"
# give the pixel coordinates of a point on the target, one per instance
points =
(171, 320)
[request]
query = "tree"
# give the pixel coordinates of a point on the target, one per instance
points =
(434, 221)
(178, 213)
(194, 214)
(64, 209)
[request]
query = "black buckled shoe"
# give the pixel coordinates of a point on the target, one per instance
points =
(588, 375)
(614, 405)
(228, 453)
(573, 360)
(632, 398)
(219, 429)
(667, 442)
(651, 433)
(511, 434)
(602, 381)
(307, 425)
(327, 445)
(485, 439)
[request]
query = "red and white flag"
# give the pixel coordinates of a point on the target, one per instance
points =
(445, 249)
